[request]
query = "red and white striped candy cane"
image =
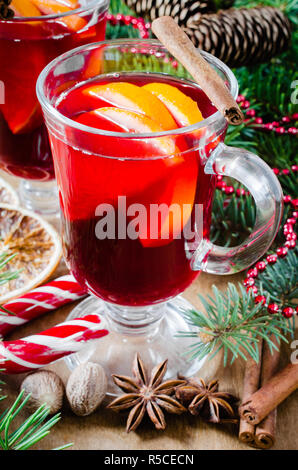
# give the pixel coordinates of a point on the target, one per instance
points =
(35, 351)
(43, 299)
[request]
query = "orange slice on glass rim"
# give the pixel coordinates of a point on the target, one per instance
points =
(133, 98)
(184, 110)
(36, 247)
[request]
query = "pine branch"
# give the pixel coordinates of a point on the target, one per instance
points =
(118, 6)
(242, 136)
(267, 85)
(31, 431)
(223, 4)
(36, 426)
(279, 282)
(6, 276)
(232, 322)
(233, 218)
(289, 183)
(277, 151)
(120, 31)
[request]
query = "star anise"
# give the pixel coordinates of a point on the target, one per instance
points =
(6, 13)
(205, 400)
(144, 394)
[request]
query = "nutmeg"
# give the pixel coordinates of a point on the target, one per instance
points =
(44, 387)
(86, 388)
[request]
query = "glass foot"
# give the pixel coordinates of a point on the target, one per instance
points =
(116, 351)
(40, 197)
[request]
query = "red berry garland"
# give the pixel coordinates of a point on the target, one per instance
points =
(275, 126)
(137, 23)
(281, 252)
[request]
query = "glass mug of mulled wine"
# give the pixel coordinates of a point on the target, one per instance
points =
(39, 32)
(136, 155)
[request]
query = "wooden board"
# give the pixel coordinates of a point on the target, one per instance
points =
(106, 430)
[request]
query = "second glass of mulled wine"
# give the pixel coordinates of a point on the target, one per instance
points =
(40, 31)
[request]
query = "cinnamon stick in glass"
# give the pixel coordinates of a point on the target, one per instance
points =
(250, 385)
(181, 47)
(265, 430)
(268, 397)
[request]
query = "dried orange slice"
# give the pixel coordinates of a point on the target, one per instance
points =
(7, 194)
(133, 98)
(35, 244)
(184, 110)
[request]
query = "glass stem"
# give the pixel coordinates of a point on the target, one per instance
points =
(39, 196)
(135, 320)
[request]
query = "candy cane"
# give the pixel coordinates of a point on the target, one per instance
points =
(35, 351)
(43, 299)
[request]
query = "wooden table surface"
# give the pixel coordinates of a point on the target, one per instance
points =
(106, 430)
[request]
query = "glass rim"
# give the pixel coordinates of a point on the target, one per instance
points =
(46, 105)
(82, 9)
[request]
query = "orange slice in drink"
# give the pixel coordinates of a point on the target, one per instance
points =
(171, 211)
(133, 98)
(120, 120)
(173, 183)
(130, 121)
(52, 7)
(184, 110)
(21, 109)
(110, 177)
(133, 122)
(25, 8)
(24, 118)
(169, 201)
(93, 63)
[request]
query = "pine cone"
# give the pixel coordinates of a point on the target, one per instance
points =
(242, 36)
(183, 11)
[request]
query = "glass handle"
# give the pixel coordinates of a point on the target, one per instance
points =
(263, 185)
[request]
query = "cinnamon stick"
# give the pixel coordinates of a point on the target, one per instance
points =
(181, 47)
(265, 431)
(268, 397)
(250, 385)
